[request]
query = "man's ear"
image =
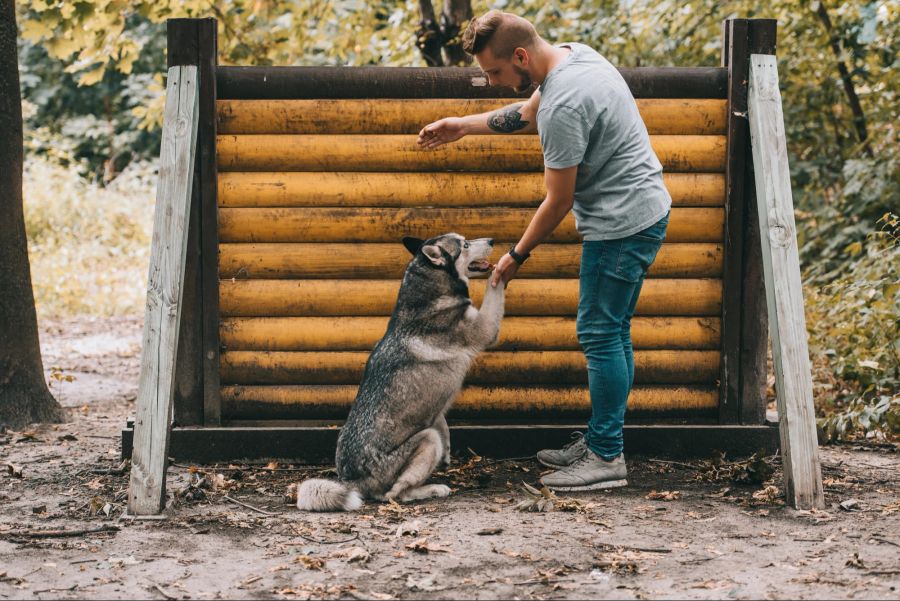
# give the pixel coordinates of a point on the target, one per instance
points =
(412, 244)
(521, 54)
(434, 255)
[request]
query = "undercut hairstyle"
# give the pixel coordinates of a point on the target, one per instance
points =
(502, 32)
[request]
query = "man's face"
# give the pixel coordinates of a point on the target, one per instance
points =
(510, 72)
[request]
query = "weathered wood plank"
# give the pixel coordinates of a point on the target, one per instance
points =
(320, 224)
(314, 441)
(496, 368)
(285, 260)
(784, 292)
(146, 492)
(677, 116)
(475, 402)
(416, 189)
(440, 82)
(391, 152)
(311, 298)
(516, 333)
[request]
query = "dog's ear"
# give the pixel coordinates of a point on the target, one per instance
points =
(433, 253)
(412, 244)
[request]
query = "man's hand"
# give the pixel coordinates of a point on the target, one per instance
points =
(441, 132)
(505, 270)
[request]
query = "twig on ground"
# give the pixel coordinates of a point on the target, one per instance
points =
(329, 542)
(248, 506)
(57, 590)
(678, 463)
(161, 591)
(59, 533)
(881, 572)
(885, 541)
(639, 549)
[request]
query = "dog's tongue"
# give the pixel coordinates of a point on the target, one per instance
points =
(481, 265)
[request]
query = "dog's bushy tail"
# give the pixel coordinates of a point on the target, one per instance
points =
(327, 495)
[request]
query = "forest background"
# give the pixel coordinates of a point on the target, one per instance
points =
(92, 78)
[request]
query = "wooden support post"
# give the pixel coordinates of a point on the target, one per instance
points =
(761, 34)
(734, 59)
(197, 400)
(784, 292)
(146, 492)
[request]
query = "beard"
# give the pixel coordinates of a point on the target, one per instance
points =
(524, 79)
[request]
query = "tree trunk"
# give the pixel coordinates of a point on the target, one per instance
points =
(429, 37)
(24, 396)
(456, 13)
(859, 118)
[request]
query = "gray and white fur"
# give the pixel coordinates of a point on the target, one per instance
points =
(396, 433)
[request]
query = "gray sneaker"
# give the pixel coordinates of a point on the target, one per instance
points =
(590, 472)
(566, 456)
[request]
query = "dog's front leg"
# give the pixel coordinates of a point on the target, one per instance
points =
(440, 424)
(487, 324)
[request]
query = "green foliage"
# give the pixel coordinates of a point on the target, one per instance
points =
(89, 246)
(855, 337)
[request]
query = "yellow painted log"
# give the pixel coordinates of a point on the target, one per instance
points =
(264, 152)
(272, 402)
(516, 333)
(383, 261)
(693, 224)
(373, 189)
(408, 116)
(323, 298)
(496, 368)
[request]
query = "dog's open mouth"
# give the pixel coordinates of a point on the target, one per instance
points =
(480, 265)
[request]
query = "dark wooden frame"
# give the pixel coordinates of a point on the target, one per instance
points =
(742, 383)
(199, 432)
(198, 396)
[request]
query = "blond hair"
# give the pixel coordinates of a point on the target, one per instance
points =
(503, 32)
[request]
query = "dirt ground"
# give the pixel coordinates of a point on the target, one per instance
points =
(681, 530)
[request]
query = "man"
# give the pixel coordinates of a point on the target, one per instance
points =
(599, 163)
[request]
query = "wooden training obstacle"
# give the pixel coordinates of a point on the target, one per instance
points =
(306, 179)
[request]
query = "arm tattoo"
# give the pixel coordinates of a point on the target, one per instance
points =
(507, 119)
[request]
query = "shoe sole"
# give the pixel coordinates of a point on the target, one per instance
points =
(596, 486)
(553, 465)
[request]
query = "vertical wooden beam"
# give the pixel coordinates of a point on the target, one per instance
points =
(188, 411)
(194, 42)
(761, 35)
(156, 387)
(734, 58)
(784, 291)
(209, 228)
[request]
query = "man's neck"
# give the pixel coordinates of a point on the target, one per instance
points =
(548, 57)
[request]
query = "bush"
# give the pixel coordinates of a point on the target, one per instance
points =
(855, 339)
(89, 246)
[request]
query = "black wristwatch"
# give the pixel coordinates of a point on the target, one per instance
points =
(516, 256)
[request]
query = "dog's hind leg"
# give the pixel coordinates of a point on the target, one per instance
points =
(422, 460)
(440, 424)
(428, 491)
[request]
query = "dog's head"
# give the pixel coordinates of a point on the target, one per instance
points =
(452, 253)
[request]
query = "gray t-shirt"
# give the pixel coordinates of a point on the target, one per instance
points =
(588, 117)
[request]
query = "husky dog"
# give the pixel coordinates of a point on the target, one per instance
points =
(396, 433)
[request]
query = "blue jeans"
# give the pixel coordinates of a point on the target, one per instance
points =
(612, 273)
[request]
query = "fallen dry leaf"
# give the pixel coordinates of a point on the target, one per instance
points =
(666, 495)
(353, 554)
(489, 531)
(310, 563)
(423, 546)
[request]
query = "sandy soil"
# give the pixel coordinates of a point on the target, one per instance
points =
(680, 531)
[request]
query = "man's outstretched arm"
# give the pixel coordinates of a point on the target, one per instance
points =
(519, 117)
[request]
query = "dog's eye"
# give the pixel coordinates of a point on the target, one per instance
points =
(466, 245)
